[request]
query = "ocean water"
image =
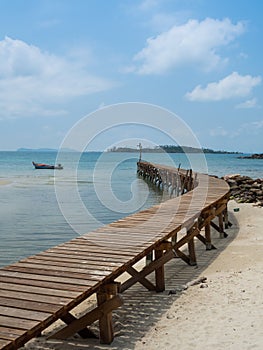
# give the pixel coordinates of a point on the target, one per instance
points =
(43, 208)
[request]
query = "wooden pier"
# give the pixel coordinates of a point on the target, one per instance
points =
(38, 290)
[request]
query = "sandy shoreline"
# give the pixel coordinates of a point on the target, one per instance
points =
(225, 313)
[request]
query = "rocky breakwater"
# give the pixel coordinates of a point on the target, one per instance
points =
(244, 189)
(253, 156)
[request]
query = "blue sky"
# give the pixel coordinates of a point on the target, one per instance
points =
(62, 59)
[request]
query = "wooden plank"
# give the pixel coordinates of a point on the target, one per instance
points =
(34, 297)
(12, 332)
(44, 284)
(10, 336)
(18, 323)
(70, 263)
(99, 252)
(3, 343)
(39, 290)
(55, 273)
(29, 305)
(61, 269)
(35, 276)
(102, 259)
(26, 314)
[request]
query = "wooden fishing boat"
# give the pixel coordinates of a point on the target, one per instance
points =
(47, 166)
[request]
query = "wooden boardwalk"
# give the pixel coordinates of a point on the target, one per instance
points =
(38, 290)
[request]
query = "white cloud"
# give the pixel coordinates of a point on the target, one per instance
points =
(219, 131)
(248, 104)
(31, 80)
(147, 5)
(232, 86)
(251, 128)
(194, 42)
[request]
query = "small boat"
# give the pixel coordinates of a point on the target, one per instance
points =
(47, 166)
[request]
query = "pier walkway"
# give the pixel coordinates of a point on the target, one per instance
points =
(38, 290)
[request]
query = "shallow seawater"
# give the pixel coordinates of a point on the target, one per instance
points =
(43, 208)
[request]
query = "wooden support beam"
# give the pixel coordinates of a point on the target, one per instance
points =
(149, 258)
(84, 333)
(86, 320)
(141, 279)
(105, 320)
(165, 245)
(174, 239)
(159, 273)
(192, 255)
(182, 256)
(226, 221)
(220, 209)
(221, 225)
(147, 270)
(209, 246)
(217, 228)
(208, 236)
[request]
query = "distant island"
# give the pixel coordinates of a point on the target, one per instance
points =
(45, 150)
(170, 149)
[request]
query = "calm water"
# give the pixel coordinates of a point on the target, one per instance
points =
(42, 208)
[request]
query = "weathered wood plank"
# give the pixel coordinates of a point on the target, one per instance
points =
(35, 275)
(57, 300)
(26, 280)
(39, 290)
(12, 332)
(61, 269)
(80, 264)
(26, 314)
(4, 342)
(54, 273)
(30, 305)
(17, 322)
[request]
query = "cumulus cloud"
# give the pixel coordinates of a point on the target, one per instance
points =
(248, 104)
(31, 79)
(232, 86)
(191, 43)
(251, 128)
(219, 131)
(147, 5)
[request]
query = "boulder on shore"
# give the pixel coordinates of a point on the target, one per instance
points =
(244, 189)
(253, 156)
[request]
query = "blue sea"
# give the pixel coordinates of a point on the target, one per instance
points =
(43, 208)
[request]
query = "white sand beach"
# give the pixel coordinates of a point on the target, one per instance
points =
(225, 312)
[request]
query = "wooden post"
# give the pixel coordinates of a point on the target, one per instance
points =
(221, 225)
(174, 239)
(191, 248)
(105, 321)
(159, 273)
(226, 218)
(149, 258)
(208, 236)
